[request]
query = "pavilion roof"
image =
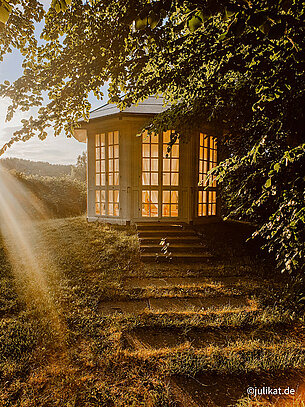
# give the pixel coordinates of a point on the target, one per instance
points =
(151, 105)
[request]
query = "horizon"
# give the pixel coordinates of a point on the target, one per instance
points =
(34, 161)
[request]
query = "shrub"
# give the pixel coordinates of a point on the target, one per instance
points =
(63, 197)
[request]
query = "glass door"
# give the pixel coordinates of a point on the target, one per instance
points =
(170, 178)
(160, 177)
(207, 160)
(150, 176)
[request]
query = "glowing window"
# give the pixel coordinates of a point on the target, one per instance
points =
(150, 203)
(100, 160)
(207, 161)
(170, 204)
(150, 175)
(113, 158)
(170, 170)
(160, 176)
(107, 174)
(150, 160)
(170, 176)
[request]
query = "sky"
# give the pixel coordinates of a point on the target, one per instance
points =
(55, 150)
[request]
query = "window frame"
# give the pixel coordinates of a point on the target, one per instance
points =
(107, 207)
(207, 158)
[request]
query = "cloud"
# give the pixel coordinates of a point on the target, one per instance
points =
(56, 150)
(7, 132)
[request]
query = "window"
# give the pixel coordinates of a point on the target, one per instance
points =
(207, 161)
(113, 158)
(150, 203)
(107, 174)
(150, 175)
(170, 173)
(170, 203)
(170, 177)
(160, 176)
(100, 160)
(150, 159)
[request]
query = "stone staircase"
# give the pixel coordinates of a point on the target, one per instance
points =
(182, 321)
(170, 242)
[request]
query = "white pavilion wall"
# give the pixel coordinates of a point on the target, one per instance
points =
(91, 176)
(129, 167)
(130, 177)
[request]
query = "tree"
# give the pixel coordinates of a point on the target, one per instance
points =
(79, 170)
(17, 26)
(236, 64)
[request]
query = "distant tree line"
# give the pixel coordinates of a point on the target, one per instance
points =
(41, 168)
(45, 169)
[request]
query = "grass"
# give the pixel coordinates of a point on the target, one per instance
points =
(223, 318)
(86, 363)
(248, 402)
(238, 357)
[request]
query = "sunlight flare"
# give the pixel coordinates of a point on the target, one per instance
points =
(20, 210)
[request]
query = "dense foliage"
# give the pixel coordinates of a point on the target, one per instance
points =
(61, 196)
(236, 64)
(17, 25)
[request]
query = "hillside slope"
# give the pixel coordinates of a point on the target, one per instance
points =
(134, 334)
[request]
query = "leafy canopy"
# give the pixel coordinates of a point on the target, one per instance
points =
(238, 65)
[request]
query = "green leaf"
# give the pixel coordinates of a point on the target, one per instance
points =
(230, 10)
(238, 27)
(254, 152)
(153, 19)
(222, 36)
(141, 23)
(5, 10)
(204, 15)
(60, 5)
(194, 23)
(258, 19)
(268, 183)
(265, 28)
(277, 167)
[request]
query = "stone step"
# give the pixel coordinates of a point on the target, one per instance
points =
(172, 304)
(166, 233)
(162, 226)
(188, 281)
(212, 389)
(197, 304)
(155, 337)
(170, 239)
(176, 257)
(173, 248)
(184, 244)
(181, 397)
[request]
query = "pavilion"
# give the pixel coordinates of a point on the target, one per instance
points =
(132, 178)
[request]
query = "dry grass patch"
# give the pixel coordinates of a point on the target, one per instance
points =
(236, 357)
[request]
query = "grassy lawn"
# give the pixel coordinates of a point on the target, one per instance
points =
(68, 353)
